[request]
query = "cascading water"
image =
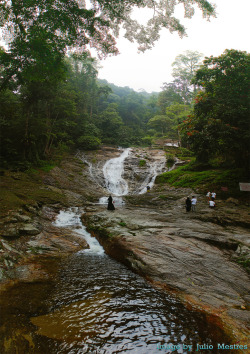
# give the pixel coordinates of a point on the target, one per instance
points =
(112, 171)
(114, 182)
(155, 168)
(71, 218)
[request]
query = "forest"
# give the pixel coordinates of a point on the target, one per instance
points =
(53, 102)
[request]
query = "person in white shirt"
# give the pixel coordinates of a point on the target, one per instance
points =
(213, 194)
(211, 203)
(193, 202)
(208, 195)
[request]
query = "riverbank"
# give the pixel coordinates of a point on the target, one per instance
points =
(193, 255)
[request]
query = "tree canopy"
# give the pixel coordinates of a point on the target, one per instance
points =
(39, 33)
(219, 123)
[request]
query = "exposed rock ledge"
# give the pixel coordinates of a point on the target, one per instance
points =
(184, 253)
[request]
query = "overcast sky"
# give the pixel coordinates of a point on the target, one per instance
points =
(149, 70)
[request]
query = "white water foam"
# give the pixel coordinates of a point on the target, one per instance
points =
(112, 171)
(116, 200)
(71, 218)
(155, 168)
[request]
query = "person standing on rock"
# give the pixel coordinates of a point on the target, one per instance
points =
(110, 203)
(188, 204)
(208, 195)
(193, 202)
(213, 194)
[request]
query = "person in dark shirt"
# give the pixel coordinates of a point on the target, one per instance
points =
(188, 204)
(110, 203)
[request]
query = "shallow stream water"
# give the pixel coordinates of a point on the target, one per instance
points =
(96, 305)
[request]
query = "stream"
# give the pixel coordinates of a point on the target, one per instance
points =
(94, 304)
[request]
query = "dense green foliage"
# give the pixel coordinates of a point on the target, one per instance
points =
(51, 100)
(78, 111)
(218, 127)
(75, 110)
(204, 178)
(175, 101)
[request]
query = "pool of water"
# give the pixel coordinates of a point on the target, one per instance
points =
(96, 305)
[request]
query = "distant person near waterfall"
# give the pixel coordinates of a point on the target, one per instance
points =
(110, 203)
(193, 203)
(188, 204)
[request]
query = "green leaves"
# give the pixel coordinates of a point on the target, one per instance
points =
(221, 111)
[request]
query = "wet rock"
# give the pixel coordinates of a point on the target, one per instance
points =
(10, 219)
(232, 201)
(10, 230)
(2, 274)
(73, 198)
(28, 273)
(39, 247)
(8, 247)
(29, 229)
(23, 218)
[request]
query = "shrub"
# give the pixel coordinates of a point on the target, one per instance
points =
(142, 163)
(147, 140)
(88, 142)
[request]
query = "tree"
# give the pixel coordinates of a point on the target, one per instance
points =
(38, 31)
(161, 123)
(184, 68)
(168, 96)
(219, 124)
(109, 122)
(177, 113)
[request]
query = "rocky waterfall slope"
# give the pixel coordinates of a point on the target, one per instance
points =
(193, 255)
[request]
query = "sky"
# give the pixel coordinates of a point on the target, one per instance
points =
(148, 71)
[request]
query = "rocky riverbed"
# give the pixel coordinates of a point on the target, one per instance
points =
(198, 256)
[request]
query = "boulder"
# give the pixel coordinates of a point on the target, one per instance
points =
(29, 229)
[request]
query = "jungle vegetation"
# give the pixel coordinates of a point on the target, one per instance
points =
(52, 101)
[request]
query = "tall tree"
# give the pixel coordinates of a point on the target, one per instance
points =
(219, 124)
(184, 68)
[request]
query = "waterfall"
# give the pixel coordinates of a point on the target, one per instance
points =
(113, 170)
(110, 176)
(71, 218)
(155, 168)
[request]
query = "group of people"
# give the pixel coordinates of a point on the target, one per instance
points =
(211, 199)
(191, 203)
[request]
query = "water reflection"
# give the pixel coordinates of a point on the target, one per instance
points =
(98, 306)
